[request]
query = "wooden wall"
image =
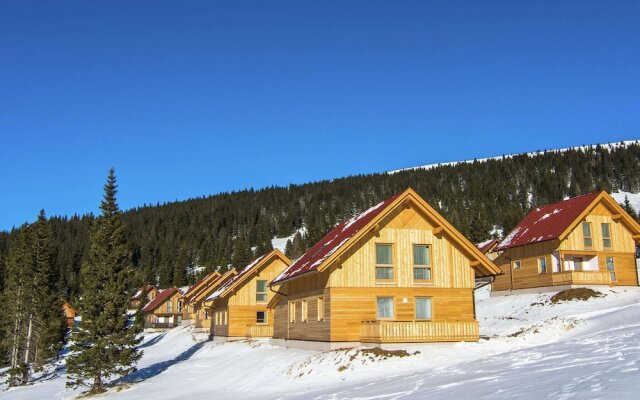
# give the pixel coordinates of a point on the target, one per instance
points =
(527, 276)
(625, 267)
(621, 238)
(245, 294)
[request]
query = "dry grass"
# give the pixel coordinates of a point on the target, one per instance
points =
(575, 294)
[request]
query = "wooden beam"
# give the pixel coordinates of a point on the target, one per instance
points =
(438, 230)
(616, 217)
(636, 237)
(474, 264)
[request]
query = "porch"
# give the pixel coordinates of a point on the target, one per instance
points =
(580, 278)
(418, 331)
(256, 331)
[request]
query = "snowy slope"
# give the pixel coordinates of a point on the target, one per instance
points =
(532, 349)
(582, 148)
(634, 199)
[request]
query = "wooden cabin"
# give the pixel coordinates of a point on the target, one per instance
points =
(148, 291)
(585, 240)
(188, 307)
(163, 311)
(70, 313)
(201, 309)
(398, 272)
(240, 305)
(489, 248)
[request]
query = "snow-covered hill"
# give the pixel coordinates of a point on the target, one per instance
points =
(581, 148)
(532, 349)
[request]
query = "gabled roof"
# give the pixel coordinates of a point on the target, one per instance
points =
(160, 299)
(138, 293)
(246, 273)
(345, 234)
(201, 284)
(206, 292)
(557, 220)
(487, 245)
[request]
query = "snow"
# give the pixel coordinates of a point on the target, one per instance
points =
(634, 198)
(281, 243)
(482, 244)
(608, 146)
(507, 241)
(530, 349)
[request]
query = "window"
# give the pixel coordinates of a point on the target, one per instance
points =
(261, 291)
(180, 306)
(606, 235)
(384, 263)
(224, 318)
(320, 308)
(517, 264)
(304, 311)
(261, 317)
(292, 311)
(611, 268)
(542, 265)
(385, 307)
(586, 234)
(423, 307)
(206, 314)
(577, 263)
(169, 306)
(421, 263)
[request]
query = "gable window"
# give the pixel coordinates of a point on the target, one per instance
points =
(169, 306)
(611, 268)
(542, 265)
(384, 263)
(320, 308)
(261, 291)
(586, 234)
(292, 311)
(606, 235)
(517, 264)
(304, 311)
(261, 317)
(423, 308)
(421, 263)
(385, 307)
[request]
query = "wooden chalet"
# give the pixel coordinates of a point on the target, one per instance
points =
(163, 311)
(69, 313)
(189, 309)
(195, 300)
(148, 291)
(489, 248)
(239, 306)
(398, 272)
(585, 240)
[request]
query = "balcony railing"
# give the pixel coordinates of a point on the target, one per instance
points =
(418, 331)
(254, 331)
(160, 325)
(581, 278)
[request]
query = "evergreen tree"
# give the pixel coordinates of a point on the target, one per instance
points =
(105, 342)
(629, 208)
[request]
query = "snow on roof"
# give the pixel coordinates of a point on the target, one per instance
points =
(332, 242)
(486, 245)
(190, 291)
(246, 270)
(159, 299)
(547, 222)
(138, 293)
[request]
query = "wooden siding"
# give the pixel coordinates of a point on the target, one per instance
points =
(528, 275)
(218, 325)
(624, 265)
(419, 331)
(450, 267)
(257, 331)
(581, 278)
(245, 294)
(621, 238)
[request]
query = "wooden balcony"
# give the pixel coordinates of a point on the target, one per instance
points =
(581, 278)
(418, 331)
(256, 331)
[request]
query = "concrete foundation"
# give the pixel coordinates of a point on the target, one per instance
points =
(311, 345)
(543, 289)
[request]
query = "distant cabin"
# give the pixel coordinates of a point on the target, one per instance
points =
(240, 305)
(194, 308)
(398, 272)
(163, 311)
(585, 240)
(489, 248)
(69, 313)
(148, 291)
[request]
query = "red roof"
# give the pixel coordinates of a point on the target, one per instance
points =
(331, 242)
(143, 289)
(159, 299)
(547, 222)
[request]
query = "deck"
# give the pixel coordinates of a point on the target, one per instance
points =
(418, 331)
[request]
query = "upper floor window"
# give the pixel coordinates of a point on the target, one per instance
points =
(606, 235)
(180, 306)
(384, 263)
(169, 306)
(586, 234)
(421, 263)
(261, 291)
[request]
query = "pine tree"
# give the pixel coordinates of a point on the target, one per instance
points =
(105, 342)
(629, 208)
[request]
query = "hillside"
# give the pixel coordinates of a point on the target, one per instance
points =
(480, 197)
(532, 349)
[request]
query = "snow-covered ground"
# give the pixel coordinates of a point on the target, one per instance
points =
(530, 349)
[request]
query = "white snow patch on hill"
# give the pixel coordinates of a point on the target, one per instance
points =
(531, 349)
(634, 199)
(281, 243)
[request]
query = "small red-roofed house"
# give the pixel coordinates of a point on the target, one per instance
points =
(163, 311)
(191, 302)
(581, 241)
(148, 291)
(489, 248)
(398, 272)
(239, 305)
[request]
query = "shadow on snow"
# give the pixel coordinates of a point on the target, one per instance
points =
(153, 341)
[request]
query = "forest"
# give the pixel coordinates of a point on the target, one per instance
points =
(173, 244)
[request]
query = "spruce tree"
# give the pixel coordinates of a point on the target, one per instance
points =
(105, 343)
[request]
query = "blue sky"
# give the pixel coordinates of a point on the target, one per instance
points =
(189, 98)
